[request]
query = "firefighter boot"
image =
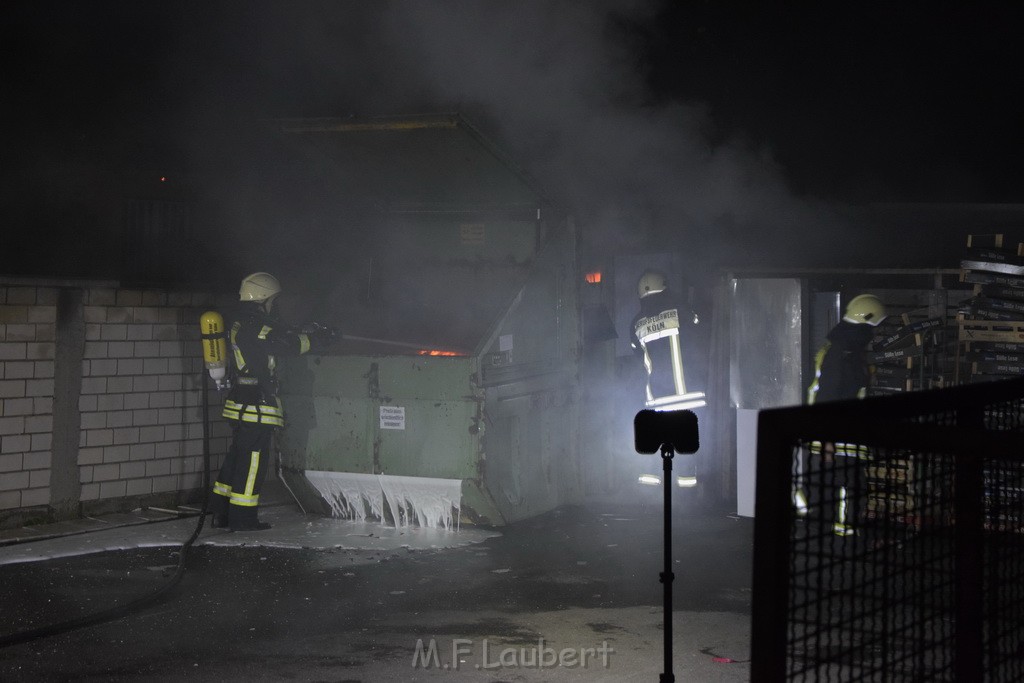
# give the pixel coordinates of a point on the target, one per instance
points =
(218, 507)
(842, 526)
(244, 518)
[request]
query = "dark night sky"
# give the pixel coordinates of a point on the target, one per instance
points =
(695, 114)
(894, 101)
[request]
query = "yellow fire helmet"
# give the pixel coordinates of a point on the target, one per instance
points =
(866, 308)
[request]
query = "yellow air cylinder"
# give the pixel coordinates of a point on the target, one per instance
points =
(211, 326)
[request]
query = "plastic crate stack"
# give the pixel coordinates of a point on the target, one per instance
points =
(991, 322)
(892, 486)
(907, 354)
(913, 349)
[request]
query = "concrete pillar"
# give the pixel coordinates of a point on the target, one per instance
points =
(65, 489)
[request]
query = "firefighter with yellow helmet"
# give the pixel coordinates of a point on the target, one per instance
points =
(256, 339)
(841, 373)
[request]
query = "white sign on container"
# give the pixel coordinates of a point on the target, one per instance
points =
(392, 417)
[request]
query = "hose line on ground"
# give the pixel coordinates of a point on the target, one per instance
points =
(113, 612)
(151, 598)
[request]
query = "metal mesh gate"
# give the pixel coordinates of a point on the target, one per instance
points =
(888, 538)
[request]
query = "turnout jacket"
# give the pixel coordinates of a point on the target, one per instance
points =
(256, 340)
(840, 367)
(656, 331)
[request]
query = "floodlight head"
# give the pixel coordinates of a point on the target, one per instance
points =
(676, 429)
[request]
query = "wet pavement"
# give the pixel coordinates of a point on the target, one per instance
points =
(571, 595)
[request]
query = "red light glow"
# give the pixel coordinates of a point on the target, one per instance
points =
(594, 278)
(438, 352)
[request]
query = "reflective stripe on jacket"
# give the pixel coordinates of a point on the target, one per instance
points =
(256, 340)
(656, 332)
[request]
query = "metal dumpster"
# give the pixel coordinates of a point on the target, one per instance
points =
(460, 401)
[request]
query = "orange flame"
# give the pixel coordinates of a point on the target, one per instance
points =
(438, 352)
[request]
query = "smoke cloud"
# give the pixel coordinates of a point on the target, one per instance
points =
(561, 86)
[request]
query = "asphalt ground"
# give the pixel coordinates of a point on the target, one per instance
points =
(571, 595)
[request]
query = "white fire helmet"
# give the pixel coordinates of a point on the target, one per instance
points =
(259, 287)
(652, 282)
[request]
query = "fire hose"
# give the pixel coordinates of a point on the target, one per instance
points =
(214, 356)
(148, 599)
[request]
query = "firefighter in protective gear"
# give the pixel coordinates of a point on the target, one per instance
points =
(839, 368)
(252, 406)
(656, 333)
(841, 373)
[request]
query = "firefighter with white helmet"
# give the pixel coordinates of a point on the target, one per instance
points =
(841, 373)
(256, 339)
(656, 332)
(659, 332)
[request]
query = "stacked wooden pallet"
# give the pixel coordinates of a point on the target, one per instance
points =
(991, 323)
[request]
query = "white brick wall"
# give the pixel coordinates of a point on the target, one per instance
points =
(141, 394)
(28, 318)
(140, 415)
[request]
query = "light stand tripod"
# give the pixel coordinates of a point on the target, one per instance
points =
(668, 432)
(667, 576)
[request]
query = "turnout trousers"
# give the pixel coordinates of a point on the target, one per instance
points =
(836, 491)
(236, 493)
